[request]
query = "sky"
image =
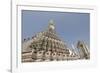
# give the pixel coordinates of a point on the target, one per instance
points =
(70, 26)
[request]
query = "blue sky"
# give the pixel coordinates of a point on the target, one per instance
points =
(70, 26)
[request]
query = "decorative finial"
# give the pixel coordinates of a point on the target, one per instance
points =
(51, 25)
(51, 22)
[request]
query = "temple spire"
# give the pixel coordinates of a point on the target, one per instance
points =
(51, 25)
